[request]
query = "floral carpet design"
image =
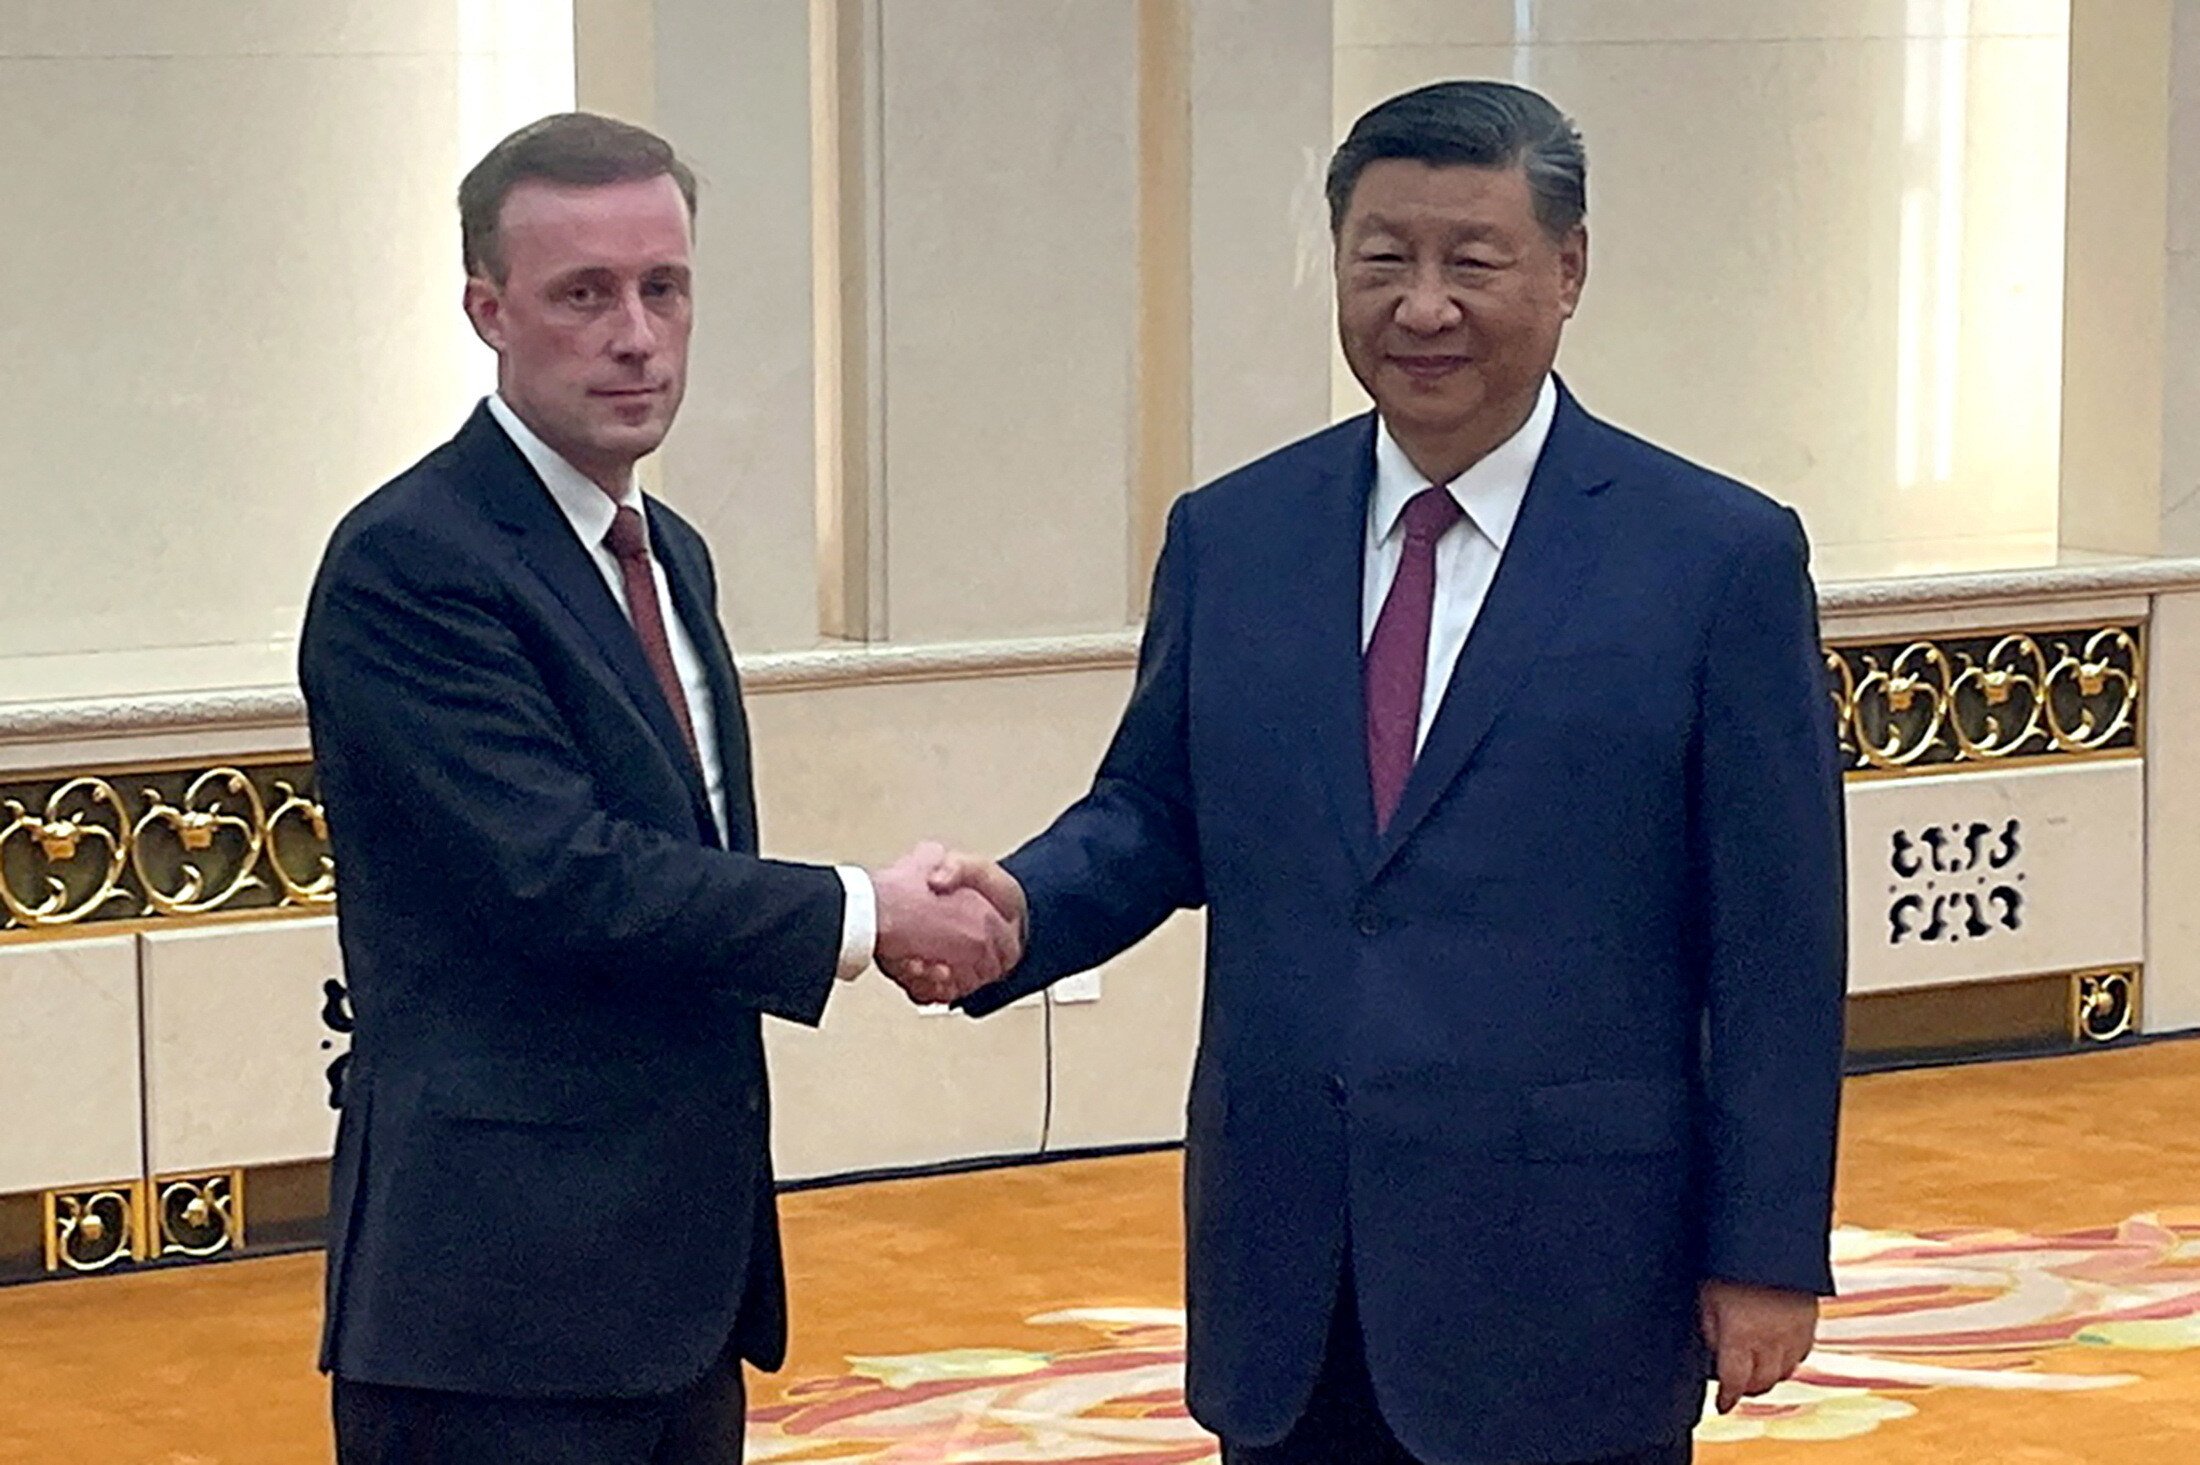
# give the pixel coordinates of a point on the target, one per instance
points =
(1975, 1309)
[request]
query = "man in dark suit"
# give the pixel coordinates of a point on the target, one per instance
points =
(1494, 742)
(553, 1233)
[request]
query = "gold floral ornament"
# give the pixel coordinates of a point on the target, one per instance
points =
(201, 1216)
(1842, 689)
(1899, 709)
(68, 850)
(206, 831)
(2104, 1005)
(307, 815)
(2092, 695)
(1974, 700)
(1997, 703)
(90, 1231)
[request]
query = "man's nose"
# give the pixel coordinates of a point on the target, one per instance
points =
(633, 328)
(1427, 307)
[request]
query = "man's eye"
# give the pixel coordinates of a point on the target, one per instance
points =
(1471, 262)
(1383, 257)
(581, 295)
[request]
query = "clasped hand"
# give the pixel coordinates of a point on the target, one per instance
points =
(948, 924)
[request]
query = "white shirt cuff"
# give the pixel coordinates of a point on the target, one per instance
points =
(858, 922)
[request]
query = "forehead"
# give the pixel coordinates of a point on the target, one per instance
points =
(632, 225)
(1404, 193)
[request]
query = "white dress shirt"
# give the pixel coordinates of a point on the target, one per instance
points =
(1467, 555)
(590, 511)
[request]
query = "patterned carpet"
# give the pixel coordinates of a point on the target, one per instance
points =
(2020, 1259)
(1921, 1317)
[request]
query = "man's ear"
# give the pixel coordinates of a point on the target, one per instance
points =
(484, 302)
(1573, 264)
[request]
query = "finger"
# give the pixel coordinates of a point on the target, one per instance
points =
(913, 977)
(1764, 1371)
(1735, 1370)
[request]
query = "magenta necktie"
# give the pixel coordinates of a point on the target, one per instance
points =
(1396, 666)
(629, 542)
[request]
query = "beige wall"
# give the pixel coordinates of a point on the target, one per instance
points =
(233, 307)
(1845, 284)
(732, 88)
(1010, 315)
(2173, 816)
(2181, 369)
(858, 773)
(2114, 306)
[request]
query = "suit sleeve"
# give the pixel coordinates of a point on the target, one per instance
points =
(434, 723)
(1772, 858)
(1120, 860)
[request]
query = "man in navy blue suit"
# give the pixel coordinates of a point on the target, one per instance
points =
(553, 1231)
(1495, 744)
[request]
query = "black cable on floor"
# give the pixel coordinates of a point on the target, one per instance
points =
(1046, 1112)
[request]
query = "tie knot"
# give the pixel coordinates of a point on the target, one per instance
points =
(1429, 513)
(627, 538)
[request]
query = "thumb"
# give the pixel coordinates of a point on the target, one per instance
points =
(952, 872)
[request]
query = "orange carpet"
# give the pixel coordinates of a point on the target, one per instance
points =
(2021, 1254)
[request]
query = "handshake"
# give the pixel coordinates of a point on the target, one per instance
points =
(948, 923)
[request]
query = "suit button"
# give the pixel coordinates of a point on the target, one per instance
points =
(1335, 1087)
(1369, 924)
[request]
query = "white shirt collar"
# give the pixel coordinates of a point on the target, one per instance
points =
(1491, 491)
(586, 507)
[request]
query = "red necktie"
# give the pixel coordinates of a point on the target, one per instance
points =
(629, 541)
(1396, 666)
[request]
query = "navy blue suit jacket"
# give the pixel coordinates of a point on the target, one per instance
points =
(552, 1171)
(1562, 1041)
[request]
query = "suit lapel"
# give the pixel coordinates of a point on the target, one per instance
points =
(1329, 597)
(691, 601)
(1546, 563)
(546, 542)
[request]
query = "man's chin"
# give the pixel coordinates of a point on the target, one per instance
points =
(1460, 406)
(631, 441)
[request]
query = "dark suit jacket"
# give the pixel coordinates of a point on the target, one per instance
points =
(1564, 1040)
(552, 1173)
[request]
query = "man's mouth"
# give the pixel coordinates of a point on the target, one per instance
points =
(1428, 368)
